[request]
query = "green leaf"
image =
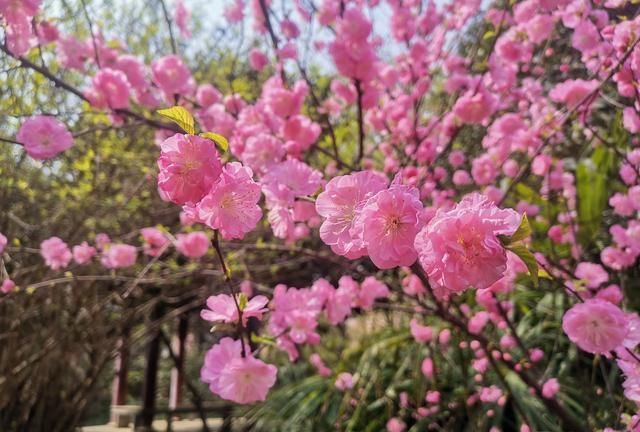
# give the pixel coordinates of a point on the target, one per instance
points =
(242, 301)
(591, 184)
(488, 35)
(527, 257)
(262, 339)
(218, 139)
(181, 117)
(523, 231)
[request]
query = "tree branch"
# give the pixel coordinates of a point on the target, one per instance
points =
(360, 123)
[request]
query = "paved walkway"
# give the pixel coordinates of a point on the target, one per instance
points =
(194, 425)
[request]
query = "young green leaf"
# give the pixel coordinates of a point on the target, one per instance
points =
(523, 231)
(218, 139)
(262, 339)
(527, 257)
(242, 301)
(181, 117)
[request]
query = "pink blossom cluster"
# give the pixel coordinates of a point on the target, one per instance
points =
(44, 137)
(296, 311)
(17, 15)
(419, 217)
(155, 243)
(364, 216)
(230, 369)
(233, 373)
(224, 198)
(460, 248)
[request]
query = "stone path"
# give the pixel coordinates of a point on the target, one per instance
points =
(191, 425)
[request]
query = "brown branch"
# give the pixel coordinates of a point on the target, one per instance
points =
(588, 97)
(68, 87)
(567, 420)
(267, 22)
(93, 36)
(232, 289)
(10, 141)
(360, 123)
(167, 19)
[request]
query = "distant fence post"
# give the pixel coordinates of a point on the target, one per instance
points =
(177, 372)
(120, 386)
(144, 421)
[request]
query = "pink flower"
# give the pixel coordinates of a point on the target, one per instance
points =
(302, 328)
(7, 286)
(427, 368)
(344, 381)
(44, 137)
(586, 37)
(222, 308)
(192, 245)
(631, 120)
(459, 248)
(133, 69)
(3, 243)
(154, 241)
(594, 275)
(83, 253)
(262, 151)
(72, 53)
(281, 220)
(246, 380)
(338, 303)
(339, 203)
(119, 256)
(475, 106)
(47, 32)
(182, 16)
(289, 179)
(300, 133)
(539, 28)
(353, 55)
(612, 294)
(412, 285)
(19, 37)
(536, 354)
(15, 11)
(420, 333)
(171, 75)
(396, 425)
(257, 59)
(371, 289)
(217, 358)
(56, 253)
(236, 378)
(484, 170)
(295, 311)
(432, 396)
(233, 12)
(550, 388)
(207, 95)
(282, 101)
(189, 165)
(478, 322)
(317, 362)
(490, 394)
(102, 240)
(573, 92)
(596, 326)
(390, 221)
(231, 206)
(110, 89)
